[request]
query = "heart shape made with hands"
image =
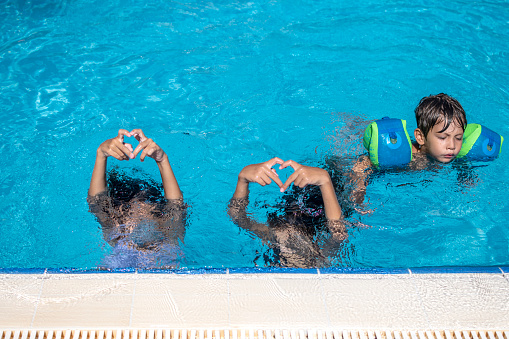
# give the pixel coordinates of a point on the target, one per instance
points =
(301, 177)
(131, 143)
(129, 140)
(283, 173)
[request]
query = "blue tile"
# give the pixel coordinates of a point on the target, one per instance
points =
(192, 271)
(350, 270)
(257, 270)
(505, 269)
(22, 270)
(273, 270)
(89, 270)
(445, 270)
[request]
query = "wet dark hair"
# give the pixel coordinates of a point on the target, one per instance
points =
(304, 206)
(125, 187)
(434, 109)
(300, 207)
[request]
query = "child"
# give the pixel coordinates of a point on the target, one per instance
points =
(144, 227)
(290, 239)
(441, 122)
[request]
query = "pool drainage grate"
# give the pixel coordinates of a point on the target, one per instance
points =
(246, 334)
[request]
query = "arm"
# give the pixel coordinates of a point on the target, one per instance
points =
(263, 174)
(149, 148)
(173, 223)
(114, 147)
(358, 176)
(305, 175)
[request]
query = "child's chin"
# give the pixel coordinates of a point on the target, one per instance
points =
(446, 160)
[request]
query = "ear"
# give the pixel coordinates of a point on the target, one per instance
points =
(419, 137)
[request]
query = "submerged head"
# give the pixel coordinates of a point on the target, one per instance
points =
(441, 122)
(136, 197)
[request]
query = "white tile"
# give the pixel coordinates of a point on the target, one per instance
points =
(293, 301)
(87, 285)
(373, 301)
(199, 285)
(19, 296)
(180, 310)
(16, 314)
(275, 284)
(474, 301)
(181, 300)
(280, 301)
(103, 310)
(85, 300)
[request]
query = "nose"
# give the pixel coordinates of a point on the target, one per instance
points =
(451, 144)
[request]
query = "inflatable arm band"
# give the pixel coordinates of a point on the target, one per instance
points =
(480, 143)
(389, 144)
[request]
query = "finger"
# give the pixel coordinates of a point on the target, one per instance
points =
(300, 181)
(290, 163)
(289, 181)
(123, 148)
(274, 161)
(130, 148)
(122, 133)
(146, 152)
(138, 134)
(264, 180)
(116, 153)
(141, 147)
(271, 173)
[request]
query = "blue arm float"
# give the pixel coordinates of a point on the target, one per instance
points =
(480, 143)
(388, 143)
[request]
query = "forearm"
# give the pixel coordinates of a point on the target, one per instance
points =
(237, 210)
(98, 181)
(330, 201)
(242, 189)
(358, 177)
(239, 201)
(170, 184)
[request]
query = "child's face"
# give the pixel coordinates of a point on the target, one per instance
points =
(443, 146)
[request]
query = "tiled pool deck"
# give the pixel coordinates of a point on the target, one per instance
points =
(421, 299)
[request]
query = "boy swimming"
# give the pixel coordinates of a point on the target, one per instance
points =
(441, 123)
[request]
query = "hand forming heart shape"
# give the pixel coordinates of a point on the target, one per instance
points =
(121, 150)
(264, 174)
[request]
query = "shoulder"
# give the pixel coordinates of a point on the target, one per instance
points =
(174, 205)
(362, 163)
(98, 199)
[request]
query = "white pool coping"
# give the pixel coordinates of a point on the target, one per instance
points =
(407, 300)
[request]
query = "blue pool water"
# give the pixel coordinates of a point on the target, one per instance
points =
(222, 84)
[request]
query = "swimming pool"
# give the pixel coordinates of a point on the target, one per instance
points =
(220, 85)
